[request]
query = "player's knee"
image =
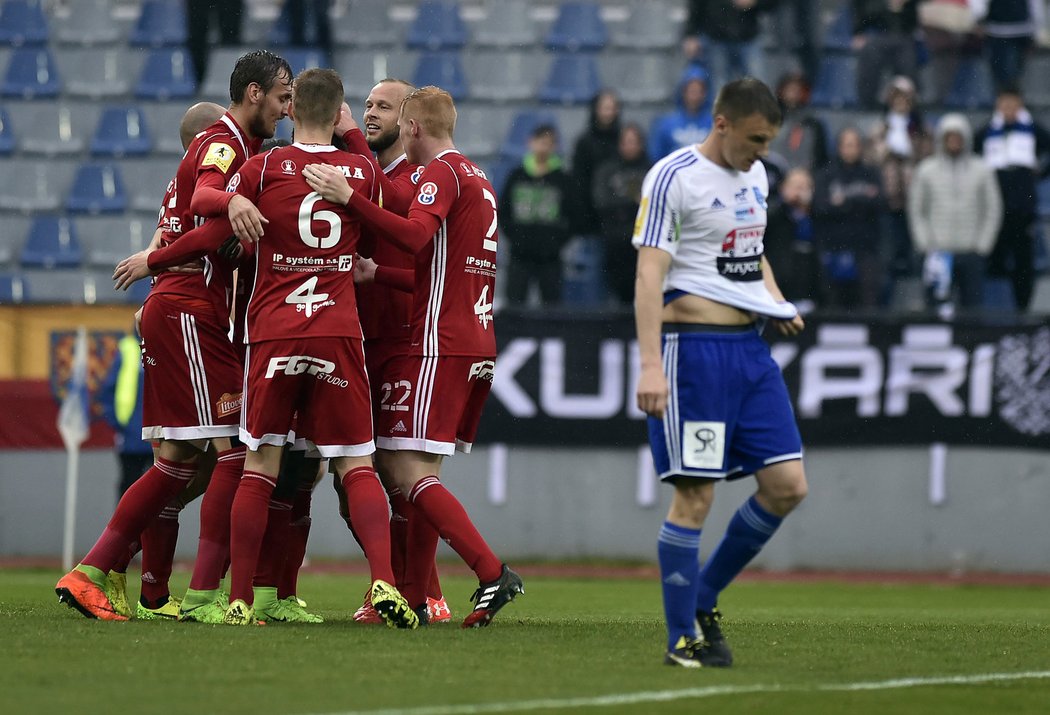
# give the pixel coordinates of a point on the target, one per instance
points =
(691, 501)
(783, 496)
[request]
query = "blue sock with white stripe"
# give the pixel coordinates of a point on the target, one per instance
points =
(679, 552)
(748, 531)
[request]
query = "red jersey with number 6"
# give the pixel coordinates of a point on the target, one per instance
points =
(456, 270)
(304, 262)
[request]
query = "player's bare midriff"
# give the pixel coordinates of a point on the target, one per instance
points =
(697, 309)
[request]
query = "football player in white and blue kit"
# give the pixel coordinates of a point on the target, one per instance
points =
(717, 404)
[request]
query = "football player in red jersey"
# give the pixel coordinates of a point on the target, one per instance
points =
(192, 379)
(445, 378)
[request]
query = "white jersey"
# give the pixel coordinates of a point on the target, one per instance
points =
(712, 221)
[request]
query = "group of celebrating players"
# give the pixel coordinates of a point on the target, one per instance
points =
(310, 304)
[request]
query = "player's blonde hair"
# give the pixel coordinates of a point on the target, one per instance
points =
(317, 95)
(434, 109)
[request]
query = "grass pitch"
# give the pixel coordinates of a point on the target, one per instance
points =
(588, 646)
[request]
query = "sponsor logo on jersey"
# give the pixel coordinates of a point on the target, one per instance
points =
(743, 240)
(703, 444)
(741, 196)
(745, 213)
(471, 170)
(305, 364)
(399, 427)
(288, 166)
(639, 218)
(346, 263)
(219, 155)
(428, 193)
(759, 196)
(717, 204)
(235, 181)
(228, 404)
(740, 269)
(351, 172)
(484, 370)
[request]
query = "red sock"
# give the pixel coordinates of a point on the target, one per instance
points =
(434, 587)
(447, 515)
(213, 547)
(136, 509)
(247, 526)
(371, 519)
(125, 560)
(421, 548)
(274, 544)
(298, 536)
(158, 553)
(399, 514)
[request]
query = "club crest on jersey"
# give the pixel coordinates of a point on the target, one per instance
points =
(219, 155)
(759, 196)
(288, 166)
(741, 196)
(428, 193)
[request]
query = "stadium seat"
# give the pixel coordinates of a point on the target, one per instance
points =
(301, 58)
(12, 290)
(32, 185)
(973, 87)
(161, 23)
(838, 35)
(88, 22)
(167, 74)
(1033, 82)
(480, 129)
(497, 170)
(361, 69)
(53, 128)
(22, 22)
(106, 240)
(51, 243)
(98, 187)
(515, 143)
(836, 85)
(13, 231)
(7, 133)
(163, 119)
(442, 69)
(438, 26)
(121, 131)
(505, 75)
(365, 23)
(147, 180)
(31, 74)
(53, 287)
(578, 26)
(583, 284)
(641, 77)
(98, 72)
(573, 79)
(216, 84)
(507, 23)
(1043, 196)
(651, 25)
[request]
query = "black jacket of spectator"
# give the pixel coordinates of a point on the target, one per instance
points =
(850, 223)
(875, 15)
(724, 21)
(538, 213)
(595, 145)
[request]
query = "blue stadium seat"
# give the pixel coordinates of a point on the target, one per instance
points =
(301, 58)
(88, 22)
(12, 290)
(438, 26)
(97, 188)
(839, 33)
(650, 26)
(1043, 195)
(365, 23)
(972, 88)
(573, 79)
(583, 284)
(836, 85)
(578, 26)
(31, 74)
(505, 75)
(51, 243)
(516, 142)
(22, 22)
(167, 74)
(442, 69)
(122, 131)
(507, 23)
(161, 23)
(7, 134)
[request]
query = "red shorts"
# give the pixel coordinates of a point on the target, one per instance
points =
(435, 404)
(321, 379)
(192, 385)
(381, 359)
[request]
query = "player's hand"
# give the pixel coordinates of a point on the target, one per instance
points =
(231, 249)
(131, 269)
(346, 120)
(652, 391)
(246, 219)
(329, 182)
(791, 327)
(364, 270)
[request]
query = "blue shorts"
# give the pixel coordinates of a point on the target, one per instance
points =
(728, 411)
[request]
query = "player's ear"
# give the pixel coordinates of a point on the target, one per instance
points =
(291, 110)
(253, 92)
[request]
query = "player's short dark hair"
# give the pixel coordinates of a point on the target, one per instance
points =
(316, 96)
(259, 66)
(544, 130)
(744, 97)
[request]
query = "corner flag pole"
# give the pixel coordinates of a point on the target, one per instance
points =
(73, 426)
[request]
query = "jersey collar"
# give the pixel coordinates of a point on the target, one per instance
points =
(314, 148)
(395, 163)
(238, 133)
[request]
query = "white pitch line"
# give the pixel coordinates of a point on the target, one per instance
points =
(662, 696)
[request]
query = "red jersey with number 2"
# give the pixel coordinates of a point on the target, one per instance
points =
(304, 262)
(456, 271)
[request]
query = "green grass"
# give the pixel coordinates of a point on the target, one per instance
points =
(564, 639)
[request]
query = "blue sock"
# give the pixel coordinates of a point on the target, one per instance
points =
(748, 531)
(679, 552)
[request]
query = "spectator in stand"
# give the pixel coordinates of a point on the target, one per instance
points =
(1017, 147)
(790, 241)
(954, 212)
(536, 212)
(201, 15)
(1010, 29)
(846, 204)
(805, 23)
(596, 144)
(884, 39)
(690, 122)
(723, 34)
(899, 141)
(803, 138)
(308, 24)
(950, 31)
(617, 190)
